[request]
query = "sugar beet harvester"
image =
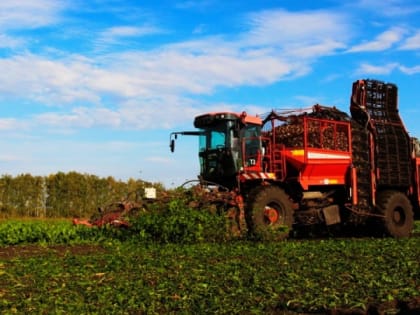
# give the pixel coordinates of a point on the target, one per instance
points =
(319, 168)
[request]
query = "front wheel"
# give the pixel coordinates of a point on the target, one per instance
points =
(269, 213)
(398, 220)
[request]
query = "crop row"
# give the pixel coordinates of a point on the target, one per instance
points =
(14, 232)
(229, 278)
(151, 275)
(175, 223)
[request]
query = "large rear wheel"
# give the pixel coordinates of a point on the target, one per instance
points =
(269, 213)
(398, 220)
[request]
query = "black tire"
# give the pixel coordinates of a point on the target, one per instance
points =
(398, 214)
(269, 213)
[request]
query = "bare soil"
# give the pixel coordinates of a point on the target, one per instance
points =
(28, 251)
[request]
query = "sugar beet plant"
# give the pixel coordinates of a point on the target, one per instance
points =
(15, 232)
(173, 260)
(180, 223)
(289, 277)
(174, 222)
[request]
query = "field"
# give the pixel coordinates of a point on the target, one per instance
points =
(52, 267)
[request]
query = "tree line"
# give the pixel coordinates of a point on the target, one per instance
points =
(69, 194)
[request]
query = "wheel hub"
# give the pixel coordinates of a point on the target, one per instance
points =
(397, 216)
(271, 214)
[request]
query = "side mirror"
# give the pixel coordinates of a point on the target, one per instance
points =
(172, 145)
(174, 135)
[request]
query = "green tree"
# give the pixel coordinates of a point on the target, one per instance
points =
(27, 195)
(63, 194)
(6, 209)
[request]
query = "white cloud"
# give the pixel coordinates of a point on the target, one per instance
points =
(388, 7)
(133, 89)
(295, 25)
(118, 34)
(29, 13)
(368, 69)
(382, 42)
(279, 27)
(129, 31)
(141, 114)
(412, 42)
(48, 81)
(159, 87)
(314, 50)
(410, 70)
(10, 42)
(11, 124)
(132, 75)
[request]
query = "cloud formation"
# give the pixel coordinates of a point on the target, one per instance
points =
(382, 42)
(412, 42)
(72, 68)
(276, 45)
(29, 14)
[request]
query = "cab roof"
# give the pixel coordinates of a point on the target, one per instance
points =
(214, 116)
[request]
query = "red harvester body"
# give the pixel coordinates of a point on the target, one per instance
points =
(316, 168)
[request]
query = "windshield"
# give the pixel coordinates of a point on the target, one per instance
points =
(212, 139)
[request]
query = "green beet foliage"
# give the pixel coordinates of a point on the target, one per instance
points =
(237, 277)
(179, 223)
(172, 222)
(15, 232)
(177, 260)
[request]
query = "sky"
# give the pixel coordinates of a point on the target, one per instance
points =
(96, 86)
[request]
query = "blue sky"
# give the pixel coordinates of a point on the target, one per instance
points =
(96, 86)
